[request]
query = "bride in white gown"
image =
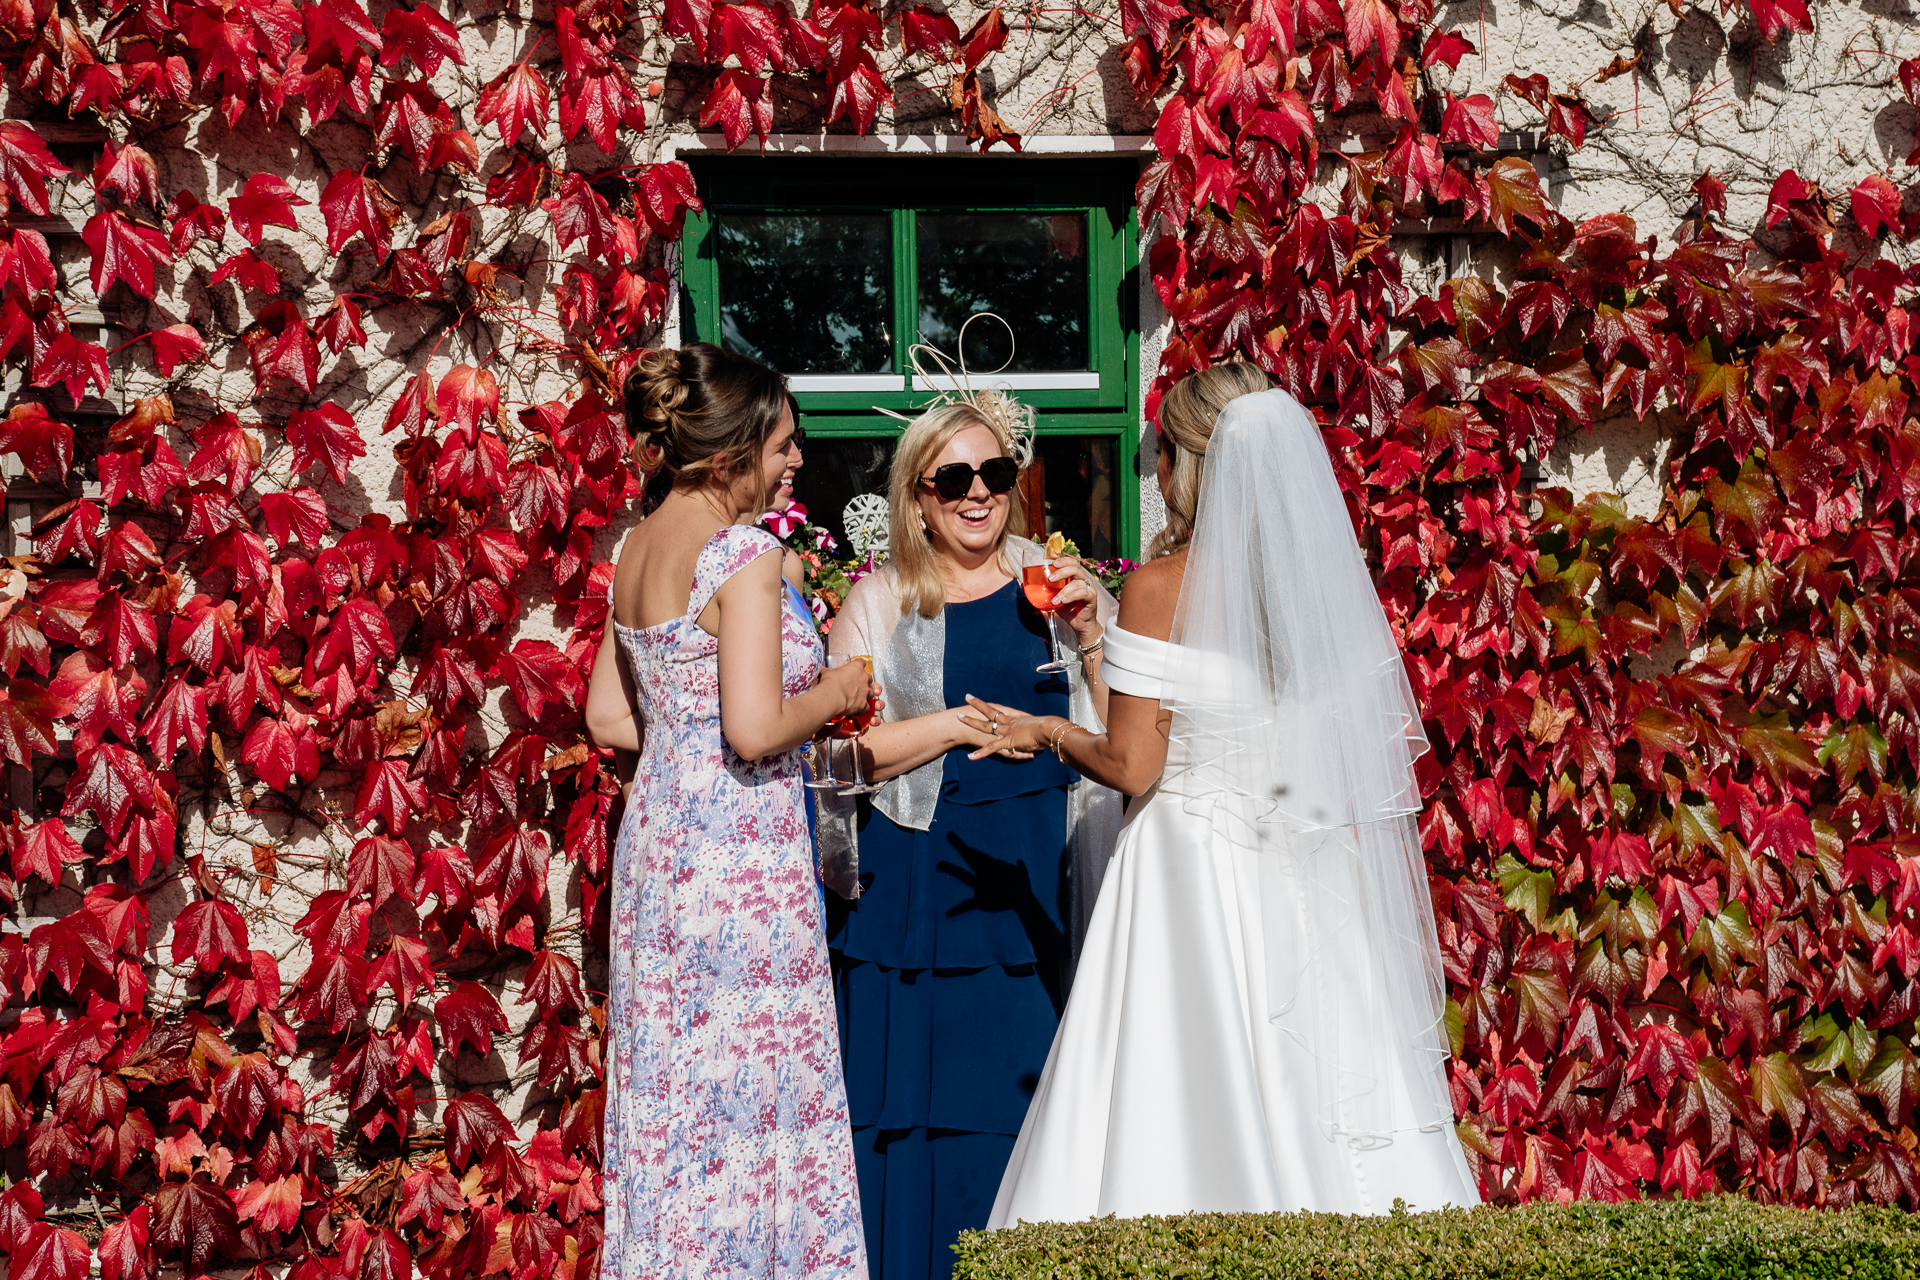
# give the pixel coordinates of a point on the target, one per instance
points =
(1256, 1021)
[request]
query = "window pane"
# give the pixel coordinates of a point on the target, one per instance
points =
(1028, 268)
(807, 292)
(834, 472)
(1079, 476)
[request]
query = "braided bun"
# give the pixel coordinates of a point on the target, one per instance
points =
(700, 411)
(654, 391)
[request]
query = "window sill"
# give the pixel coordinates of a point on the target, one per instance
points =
(1014, 382)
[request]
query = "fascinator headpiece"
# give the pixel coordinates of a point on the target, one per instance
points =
(992, 403)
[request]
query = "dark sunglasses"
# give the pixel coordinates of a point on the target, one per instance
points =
(954, 480)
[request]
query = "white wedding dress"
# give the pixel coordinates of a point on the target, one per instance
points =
(1180, 1079)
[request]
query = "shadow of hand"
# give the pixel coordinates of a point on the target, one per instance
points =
(999, 885)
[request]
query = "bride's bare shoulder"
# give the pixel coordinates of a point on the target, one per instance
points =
(1152, 592)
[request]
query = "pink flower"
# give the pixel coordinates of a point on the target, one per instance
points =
(786, 520)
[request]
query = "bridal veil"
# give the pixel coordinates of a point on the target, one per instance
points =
(1287, 693)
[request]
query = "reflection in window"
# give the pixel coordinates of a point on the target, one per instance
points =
(834, 471)
(807, 292)
(1028, 268)
(1078, 476)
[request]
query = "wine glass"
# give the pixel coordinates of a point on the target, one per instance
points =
(851, 727)
(1037, 581)
(833, 731)
(826, 753)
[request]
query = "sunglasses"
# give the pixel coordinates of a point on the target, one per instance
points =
(954, 480)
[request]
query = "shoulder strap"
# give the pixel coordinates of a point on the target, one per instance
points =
(726, 553)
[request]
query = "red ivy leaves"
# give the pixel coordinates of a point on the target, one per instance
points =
(515, 100)
(354, 204)
(1633, 864)
(25, 166)
(1665, 971)
(265, 201)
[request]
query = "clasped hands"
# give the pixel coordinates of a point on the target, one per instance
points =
(1008, 732)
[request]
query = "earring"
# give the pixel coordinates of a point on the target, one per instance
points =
(923, 519)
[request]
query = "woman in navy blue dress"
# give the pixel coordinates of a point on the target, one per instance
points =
(952, 960)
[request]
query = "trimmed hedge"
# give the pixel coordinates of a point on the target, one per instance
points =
(1721, 1238)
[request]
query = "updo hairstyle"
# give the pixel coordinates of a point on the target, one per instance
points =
(1187, 414)
(699, 412)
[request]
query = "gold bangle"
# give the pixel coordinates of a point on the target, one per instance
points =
(1059, 736)
(1087, 650)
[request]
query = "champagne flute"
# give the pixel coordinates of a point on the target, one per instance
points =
(1036, 580)
(851, 727)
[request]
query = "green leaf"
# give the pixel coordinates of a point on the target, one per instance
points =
(1474, 1138)
(1724, 938)
(1777, 749)
(1824, 1029)
(1603, 919)
(1712, 380)
(1860, 1050)
(1849, 750)
(1778, 1088)
(1543, 1000)
(1694, 825)
(1527, 891)
(1574, 631)
(1644, 915)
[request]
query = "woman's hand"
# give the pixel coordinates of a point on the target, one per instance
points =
(1008, 730)
(975, 732)
(1075, 599)
(852, 686)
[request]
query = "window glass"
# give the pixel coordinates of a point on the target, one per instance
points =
(835, 470)
(807, 292)
(1028, 268)
(1079, 476)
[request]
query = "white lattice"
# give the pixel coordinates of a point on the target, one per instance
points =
(866, 523)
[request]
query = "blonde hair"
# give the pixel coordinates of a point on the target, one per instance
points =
(1187, 414)
(910, 553)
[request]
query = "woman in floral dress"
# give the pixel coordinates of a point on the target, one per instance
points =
(727, 1148)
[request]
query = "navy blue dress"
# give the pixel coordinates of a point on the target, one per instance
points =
(950, 970)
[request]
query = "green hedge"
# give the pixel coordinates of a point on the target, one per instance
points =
(1722, 1238)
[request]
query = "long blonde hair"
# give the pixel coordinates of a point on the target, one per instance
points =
(1187, 414)
(910, 548)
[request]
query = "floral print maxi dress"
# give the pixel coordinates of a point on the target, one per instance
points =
(727, 1147)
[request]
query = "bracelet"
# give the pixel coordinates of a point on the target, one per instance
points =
(1059, 735)
(1087, 649)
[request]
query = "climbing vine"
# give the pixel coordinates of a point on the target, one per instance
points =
(1670, 797)
(1669, 806)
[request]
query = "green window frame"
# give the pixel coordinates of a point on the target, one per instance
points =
(1099, 190)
